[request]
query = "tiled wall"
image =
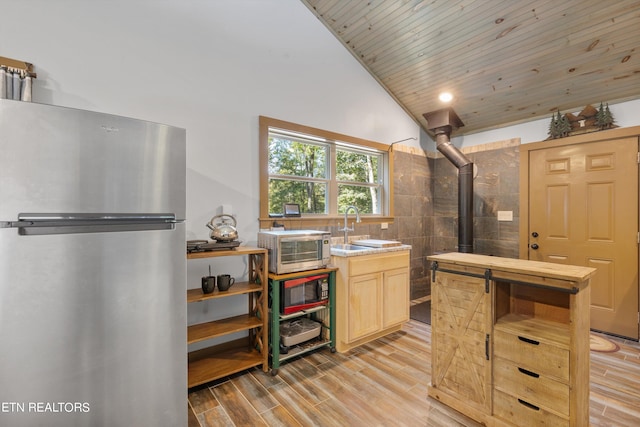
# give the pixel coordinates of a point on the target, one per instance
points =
(414, 210)
(496, 188)
(426, 205)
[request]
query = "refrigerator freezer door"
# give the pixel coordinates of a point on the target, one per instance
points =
(57, 159)
(93, 328)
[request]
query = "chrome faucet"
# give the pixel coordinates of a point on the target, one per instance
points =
(347, 229)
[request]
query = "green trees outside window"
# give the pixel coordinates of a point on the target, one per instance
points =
(358, 179)
(297, 174)
(308, 171)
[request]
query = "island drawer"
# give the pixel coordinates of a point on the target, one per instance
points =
(531, 386)
(524, 414)
(528, 352)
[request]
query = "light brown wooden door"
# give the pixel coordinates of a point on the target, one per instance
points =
(583, 210)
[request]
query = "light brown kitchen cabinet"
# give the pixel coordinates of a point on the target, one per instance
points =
(372, 296)
(214, 362)
(510, 340)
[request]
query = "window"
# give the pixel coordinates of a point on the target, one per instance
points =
(358, 175)
(323, 172)
(298, 172)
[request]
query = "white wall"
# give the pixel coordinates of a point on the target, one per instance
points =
(211, 67)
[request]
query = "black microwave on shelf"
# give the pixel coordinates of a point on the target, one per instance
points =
(304, 293)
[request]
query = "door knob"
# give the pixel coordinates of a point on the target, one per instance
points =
(534, 246)
(534, 234)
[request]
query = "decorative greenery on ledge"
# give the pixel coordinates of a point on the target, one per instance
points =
(588, 120)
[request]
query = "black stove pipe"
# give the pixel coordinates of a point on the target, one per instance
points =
(443, 122)
(465, 189)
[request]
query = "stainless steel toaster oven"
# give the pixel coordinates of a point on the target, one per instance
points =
(296, 250)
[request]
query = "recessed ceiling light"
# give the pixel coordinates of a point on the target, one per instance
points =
(445, 97)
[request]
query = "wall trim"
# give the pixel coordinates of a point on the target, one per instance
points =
(417, 151)
(497, 145)
(513, 142)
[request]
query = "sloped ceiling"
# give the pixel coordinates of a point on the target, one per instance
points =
(504, 61)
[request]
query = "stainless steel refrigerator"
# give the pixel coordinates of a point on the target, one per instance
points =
(92, 269)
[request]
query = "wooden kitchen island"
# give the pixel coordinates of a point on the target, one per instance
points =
(510, 339)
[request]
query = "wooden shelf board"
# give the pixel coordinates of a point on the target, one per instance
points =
(206, 365)
(304, 273)
(217, 328)
(240, 250)
(196, 295)
(545, 330)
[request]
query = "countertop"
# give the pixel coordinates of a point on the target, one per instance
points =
(545, 270)
(368, 251)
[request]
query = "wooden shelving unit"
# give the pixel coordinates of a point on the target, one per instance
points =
(211, 363)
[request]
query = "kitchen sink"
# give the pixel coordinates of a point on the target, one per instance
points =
(349, 247)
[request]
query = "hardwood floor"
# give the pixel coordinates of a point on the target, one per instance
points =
(384, 383)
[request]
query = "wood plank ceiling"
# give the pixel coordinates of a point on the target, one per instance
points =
(505, 61)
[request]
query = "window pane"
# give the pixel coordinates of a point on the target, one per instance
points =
(357, 167)
(311, 196)
(295, 158)
(366, 199)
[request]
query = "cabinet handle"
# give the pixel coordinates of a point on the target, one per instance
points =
(529, 340)
(486, 346)
(528, 405)
(526, 372)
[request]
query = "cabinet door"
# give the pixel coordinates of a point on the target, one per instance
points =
(365, 316)
(395, 297)
(460, 353)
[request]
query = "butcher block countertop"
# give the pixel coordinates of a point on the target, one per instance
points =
(544, 273)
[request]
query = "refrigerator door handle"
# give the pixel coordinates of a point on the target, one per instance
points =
(68, 223)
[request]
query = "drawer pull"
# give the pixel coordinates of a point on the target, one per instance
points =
(526, 372)
(528, 340)
(528, 405)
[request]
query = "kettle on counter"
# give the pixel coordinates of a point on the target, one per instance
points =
(221, 230)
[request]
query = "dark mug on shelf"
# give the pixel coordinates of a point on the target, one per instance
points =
(225, 281)
(208, 284)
